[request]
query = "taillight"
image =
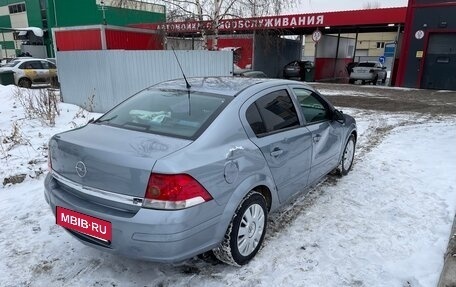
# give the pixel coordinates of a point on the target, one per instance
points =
(174, 191)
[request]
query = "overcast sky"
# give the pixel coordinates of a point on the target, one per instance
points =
(309, 6)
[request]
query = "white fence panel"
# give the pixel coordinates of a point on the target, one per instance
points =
(112, 76)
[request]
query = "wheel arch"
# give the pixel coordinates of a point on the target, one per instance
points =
(261, 183)
(24, 78)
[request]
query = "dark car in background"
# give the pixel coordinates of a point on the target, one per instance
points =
(297, 69)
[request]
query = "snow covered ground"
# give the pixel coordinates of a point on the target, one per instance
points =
(385, 224)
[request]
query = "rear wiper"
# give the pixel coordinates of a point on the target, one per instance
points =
(105, 120)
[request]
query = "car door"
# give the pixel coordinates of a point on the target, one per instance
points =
(326, 134)
(48, 70)
(276, 128)
(36, 71)
(29, 70)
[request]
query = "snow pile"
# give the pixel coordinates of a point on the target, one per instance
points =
(24, 137)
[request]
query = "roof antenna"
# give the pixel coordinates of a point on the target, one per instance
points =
(186, 82)
(182, 70)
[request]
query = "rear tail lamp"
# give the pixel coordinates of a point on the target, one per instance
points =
(174, 191)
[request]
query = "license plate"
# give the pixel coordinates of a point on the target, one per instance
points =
(84, 223)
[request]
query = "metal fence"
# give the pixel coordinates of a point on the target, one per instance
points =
(110, 77)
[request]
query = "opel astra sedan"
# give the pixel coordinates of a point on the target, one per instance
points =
(181, 169)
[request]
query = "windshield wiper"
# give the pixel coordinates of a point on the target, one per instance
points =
(105, 120)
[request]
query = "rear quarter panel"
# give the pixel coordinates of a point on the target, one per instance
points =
(225, 162)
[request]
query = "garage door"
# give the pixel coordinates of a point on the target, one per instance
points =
(440, 62)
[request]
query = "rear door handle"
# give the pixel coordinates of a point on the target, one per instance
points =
(276, 152)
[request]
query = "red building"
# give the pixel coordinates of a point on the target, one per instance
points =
(428, 54)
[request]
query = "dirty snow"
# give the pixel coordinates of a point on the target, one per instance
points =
(385, 224)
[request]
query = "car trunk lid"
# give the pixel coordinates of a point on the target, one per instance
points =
(111, 159)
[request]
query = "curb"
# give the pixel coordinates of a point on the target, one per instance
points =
(448, 275)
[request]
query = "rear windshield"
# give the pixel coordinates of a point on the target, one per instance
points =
(167, 112)
(370, 65)
(12, 63)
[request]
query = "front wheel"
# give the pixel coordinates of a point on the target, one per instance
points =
(245, 234)
(25, 83)
(348, 156)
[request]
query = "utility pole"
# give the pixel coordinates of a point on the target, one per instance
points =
(103, 10)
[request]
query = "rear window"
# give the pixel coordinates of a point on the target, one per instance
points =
(12, 64)
(167, 112)
(370, 65)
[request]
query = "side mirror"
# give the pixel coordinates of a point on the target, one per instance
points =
(338, 116)
(383, 68)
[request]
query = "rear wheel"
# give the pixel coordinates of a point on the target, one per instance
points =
(375, 80)
(351, 81)
(245, 234)
(384, 80)
(24, 83)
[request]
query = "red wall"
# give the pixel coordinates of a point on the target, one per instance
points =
(128, 40)
(245, 43)
(73, 40)
(324, 69)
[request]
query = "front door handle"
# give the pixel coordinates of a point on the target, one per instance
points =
(276, 152)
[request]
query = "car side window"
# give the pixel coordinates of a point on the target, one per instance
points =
(271, 113)
(44, 64)
(313, 107)
(26, 65)
(31, 65)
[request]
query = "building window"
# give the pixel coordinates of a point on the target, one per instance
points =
(380, 45)
(16, 8)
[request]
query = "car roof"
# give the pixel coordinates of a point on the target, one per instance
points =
(228, 86)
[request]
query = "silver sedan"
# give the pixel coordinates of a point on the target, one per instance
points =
(180, 168)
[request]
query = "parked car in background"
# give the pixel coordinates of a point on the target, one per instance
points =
(370, 71)
(350, 67)
(297, 69)
(182, 168)
(29, 71)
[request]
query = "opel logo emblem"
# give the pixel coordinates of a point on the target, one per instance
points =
(81, 169)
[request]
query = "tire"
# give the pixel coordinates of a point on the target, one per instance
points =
(55, 82)
(351, 81)
(375, 80)
(250, 219)
(363, 82)
(25, 83)
(348, 155)
(384, 80)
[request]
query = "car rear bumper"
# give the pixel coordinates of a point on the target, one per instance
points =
(362, 76)
(154, 235)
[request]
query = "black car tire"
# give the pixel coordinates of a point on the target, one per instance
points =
(228, 251)
(384, 80)
(375, 80)
(24, 83)
(345, 169)
(351, 81)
